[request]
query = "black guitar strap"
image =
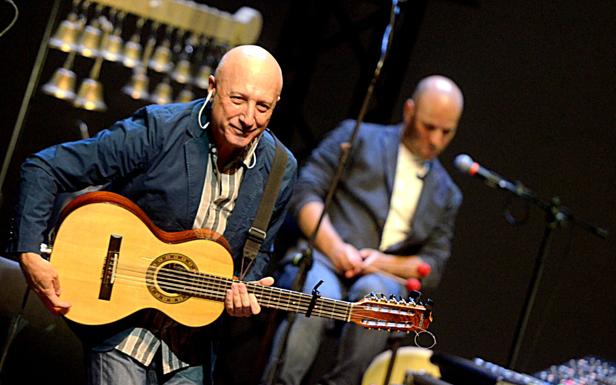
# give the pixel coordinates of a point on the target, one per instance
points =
(257, 233)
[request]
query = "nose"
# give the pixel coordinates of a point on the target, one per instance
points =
(436, 138)
(248, 115)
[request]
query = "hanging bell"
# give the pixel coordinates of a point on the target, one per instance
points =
(202, 80)
(162, 93)
(112, 50)
(185, 95)
(65, 38)
(161, 59)
(132, 52)
(90, 96)
(137, 87)
(181, 73)
(89, 41)
(61, 85)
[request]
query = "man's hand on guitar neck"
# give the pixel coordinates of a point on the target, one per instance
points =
(240, 303)
(43, 279)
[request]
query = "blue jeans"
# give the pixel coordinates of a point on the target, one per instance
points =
(357, 347)
(115, 367)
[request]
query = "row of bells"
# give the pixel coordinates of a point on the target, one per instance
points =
(97, 42)
(98, 38)
(90, 93)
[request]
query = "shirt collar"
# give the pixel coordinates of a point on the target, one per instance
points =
(248, 158)
(423, 165)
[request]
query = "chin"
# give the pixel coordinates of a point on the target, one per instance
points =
(239, 141)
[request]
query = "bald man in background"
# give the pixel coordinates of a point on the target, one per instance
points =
(393, 211)
(202, 164)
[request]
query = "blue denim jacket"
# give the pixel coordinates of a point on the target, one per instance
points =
(158, 159)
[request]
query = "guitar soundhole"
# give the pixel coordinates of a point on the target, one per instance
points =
(168, 278)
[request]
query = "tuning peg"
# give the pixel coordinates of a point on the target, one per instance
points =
(403, 300)
(392, 298)
(414, 295)
(382, 297)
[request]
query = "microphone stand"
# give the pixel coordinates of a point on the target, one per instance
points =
(555, 216)
(306, 257)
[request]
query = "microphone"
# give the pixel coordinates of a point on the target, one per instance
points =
(467, 165)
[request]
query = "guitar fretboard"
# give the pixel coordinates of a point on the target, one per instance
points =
(215, 288)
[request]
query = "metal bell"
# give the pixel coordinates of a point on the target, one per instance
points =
(137, 88)
(161, 59)
(90, 96)
(162, 93)
(62, 83)
(65, 37)
(202, 79)
(185, 95)
(181, 73)
(89, 41)
(112, 49)
(132, 52)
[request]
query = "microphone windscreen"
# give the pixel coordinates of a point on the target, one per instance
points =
(463, 162)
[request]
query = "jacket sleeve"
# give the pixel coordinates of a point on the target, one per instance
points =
(70, 167)
(316, 175)
(437, 248)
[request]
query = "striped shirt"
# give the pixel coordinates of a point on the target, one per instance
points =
(220, 191)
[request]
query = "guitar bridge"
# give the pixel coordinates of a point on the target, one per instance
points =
(109, 267)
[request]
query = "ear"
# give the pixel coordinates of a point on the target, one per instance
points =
(211, 87)
(408, 111)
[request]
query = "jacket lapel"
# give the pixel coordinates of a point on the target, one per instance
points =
(196, 157)
(390, 157)
(426, 197)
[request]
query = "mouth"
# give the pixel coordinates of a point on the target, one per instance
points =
(243, 131)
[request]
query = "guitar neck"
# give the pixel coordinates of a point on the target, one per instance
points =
(292, 301)
(212, 287)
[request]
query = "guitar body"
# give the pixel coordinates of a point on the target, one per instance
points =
(84, 256)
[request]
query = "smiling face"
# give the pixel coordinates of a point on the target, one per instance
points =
(432, 118)
(245, 89)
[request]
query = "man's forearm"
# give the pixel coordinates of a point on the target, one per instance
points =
(327, 239)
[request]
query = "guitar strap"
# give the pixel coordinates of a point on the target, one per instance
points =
(257, 232)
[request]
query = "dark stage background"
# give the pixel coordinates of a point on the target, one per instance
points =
(540, 107)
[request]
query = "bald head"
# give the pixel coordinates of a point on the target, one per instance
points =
(437, 86)
(431, 116)
(250, 60)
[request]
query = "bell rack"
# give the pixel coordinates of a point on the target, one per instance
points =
(242, 27)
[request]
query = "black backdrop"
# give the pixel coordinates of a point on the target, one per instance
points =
(540, 89)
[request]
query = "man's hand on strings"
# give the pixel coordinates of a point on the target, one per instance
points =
(240, 303)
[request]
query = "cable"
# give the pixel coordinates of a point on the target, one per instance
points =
(14, 17)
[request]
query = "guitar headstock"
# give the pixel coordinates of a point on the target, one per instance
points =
(392, 314)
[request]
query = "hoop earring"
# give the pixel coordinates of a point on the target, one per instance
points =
(207, 99)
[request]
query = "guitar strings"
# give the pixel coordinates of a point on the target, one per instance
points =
(406, 326)
(214, 287)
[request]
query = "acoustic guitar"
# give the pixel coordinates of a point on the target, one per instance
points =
(113, 261)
